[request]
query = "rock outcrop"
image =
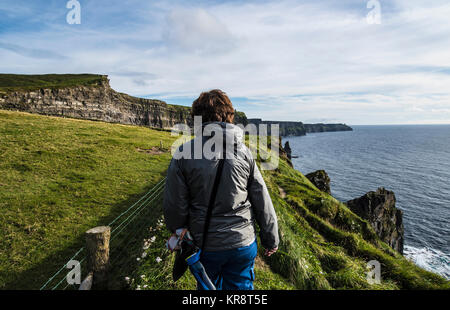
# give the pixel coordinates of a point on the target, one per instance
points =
(321, 180)
(287, 149)
(285, 153)
(379, 209)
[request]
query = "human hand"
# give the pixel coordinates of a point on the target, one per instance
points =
(269, 252)
(173, 243)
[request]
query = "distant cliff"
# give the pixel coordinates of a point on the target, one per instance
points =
(88, 96)
(326, 127)
(300, 129)
(286, 128)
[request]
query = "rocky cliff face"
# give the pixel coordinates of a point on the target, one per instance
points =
(99, 102)
(379, 209)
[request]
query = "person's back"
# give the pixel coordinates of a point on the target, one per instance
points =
(241, 198)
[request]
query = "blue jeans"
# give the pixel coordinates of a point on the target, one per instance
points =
(231, 269)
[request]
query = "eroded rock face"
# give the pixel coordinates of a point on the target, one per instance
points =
(321, 180)
(100, 102)
(379, 209)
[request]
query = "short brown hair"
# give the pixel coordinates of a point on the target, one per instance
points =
(213, 106)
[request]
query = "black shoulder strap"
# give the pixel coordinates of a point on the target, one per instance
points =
(212, 200)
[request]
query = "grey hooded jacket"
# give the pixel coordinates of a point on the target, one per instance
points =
(242, 196)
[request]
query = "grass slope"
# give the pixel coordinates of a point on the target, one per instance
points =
(15, 82)
(60, 177)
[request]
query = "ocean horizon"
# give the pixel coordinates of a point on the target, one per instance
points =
(413, 161)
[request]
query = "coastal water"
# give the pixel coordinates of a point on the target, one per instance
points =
(411, 160)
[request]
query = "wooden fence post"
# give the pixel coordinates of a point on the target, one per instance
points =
(97, 245)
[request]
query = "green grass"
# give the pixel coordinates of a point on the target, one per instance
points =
(60, 177)
(15, 82)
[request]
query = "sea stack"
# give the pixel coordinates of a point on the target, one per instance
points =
(379, 209)
(287, 149)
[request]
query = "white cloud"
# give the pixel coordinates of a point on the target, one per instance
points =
(198, 31)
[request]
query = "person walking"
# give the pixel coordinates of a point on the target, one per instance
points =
(241, 198)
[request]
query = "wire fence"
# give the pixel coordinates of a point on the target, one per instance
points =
(126, 231)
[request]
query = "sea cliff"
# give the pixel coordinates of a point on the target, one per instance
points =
(89, 97)
(299, 128)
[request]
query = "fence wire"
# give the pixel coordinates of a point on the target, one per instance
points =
(125, 230)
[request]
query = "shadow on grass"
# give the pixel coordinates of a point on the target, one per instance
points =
(122, 256)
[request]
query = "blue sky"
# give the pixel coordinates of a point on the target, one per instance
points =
(311, 61)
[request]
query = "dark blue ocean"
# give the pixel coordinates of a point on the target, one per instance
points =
(411, 160)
